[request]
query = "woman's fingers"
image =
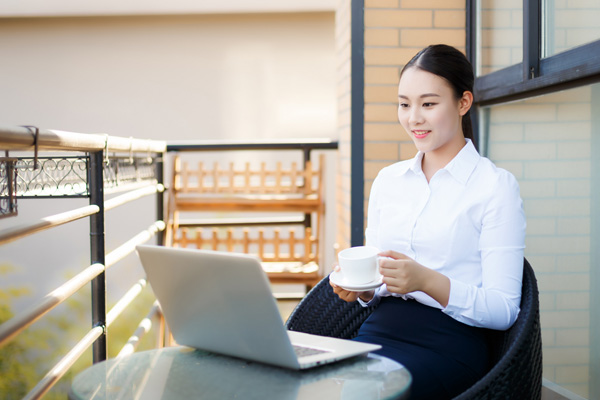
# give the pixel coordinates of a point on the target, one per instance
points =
(398, 274)
(393, 254)
(344, 294)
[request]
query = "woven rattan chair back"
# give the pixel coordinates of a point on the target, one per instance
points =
(321, 312)
(517, 370)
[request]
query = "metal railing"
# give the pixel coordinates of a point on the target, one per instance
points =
(95, 165)
(134, 169)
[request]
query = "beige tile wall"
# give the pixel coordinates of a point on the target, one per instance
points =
(546, 142)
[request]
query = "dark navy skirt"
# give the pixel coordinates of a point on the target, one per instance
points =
(444, 356)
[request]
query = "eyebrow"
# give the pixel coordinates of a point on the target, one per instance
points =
(421, 96)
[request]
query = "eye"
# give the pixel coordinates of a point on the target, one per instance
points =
(403, 105)
(429, 104)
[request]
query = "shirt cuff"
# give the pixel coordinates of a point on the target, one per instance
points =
(457, 301)
(373, 301)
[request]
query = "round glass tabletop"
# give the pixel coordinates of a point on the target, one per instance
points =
(184, 373)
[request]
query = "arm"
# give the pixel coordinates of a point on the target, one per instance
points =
(495, 303)
(402, 274)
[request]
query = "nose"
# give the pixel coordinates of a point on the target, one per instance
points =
(415, 116)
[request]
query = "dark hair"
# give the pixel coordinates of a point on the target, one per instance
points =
(452, 65)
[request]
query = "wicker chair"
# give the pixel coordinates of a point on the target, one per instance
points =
(516, 353)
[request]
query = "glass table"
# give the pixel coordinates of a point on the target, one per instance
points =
(185, 373)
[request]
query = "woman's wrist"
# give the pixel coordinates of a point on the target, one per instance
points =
(367, 296)
(438, 287)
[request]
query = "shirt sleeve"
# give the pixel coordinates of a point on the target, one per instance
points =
(495, 304)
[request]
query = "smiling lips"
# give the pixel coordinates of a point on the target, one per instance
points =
(420, 134)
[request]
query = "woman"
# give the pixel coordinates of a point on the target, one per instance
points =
(452, 228)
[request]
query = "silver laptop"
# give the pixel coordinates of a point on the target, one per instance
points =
(222, 302)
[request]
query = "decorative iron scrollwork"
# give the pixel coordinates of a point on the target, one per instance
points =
(8, 188)
(120, 171)
(67, 176)
(52, 177)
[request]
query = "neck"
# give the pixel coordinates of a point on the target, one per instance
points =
(437, 159)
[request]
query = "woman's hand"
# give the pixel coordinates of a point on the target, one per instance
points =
(403, 275)
(349, 296)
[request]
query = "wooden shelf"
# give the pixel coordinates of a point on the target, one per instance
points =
(251, 189)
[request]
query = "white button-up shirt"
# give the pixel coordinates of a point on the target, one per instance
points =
(466, 223)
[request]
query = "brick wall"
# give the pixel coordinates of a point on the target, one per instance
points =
(395, 30)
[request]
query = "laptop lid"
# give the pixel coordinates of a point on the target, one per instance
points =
(222, 302)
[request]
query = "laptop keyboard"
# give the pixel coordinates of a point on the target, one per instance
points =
(302, 351)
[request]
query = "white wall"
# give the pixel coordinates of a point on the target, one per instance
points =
(141, 7)
(159, 77)
(174, 77)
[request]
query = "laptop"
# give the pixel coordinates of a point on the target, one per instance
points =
(222, 302)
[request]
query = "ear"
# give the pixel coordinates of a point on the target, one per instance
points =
(465, 103)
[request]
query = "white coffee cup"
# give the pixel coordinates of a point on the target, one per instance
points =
(359, 264)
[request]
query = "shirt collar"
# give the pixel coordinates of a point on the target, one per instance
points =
(461, 166)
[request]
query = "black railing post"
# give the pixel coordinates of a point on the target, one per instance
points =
(160, 200)
(97, 251)
(357, 124)
(471, 53)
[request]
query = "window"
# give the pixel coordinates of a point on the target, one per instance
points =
(533, 75)
(569, 24)
(501, 43)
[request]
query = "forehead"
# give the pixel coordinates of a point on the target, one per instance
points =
(415, 81)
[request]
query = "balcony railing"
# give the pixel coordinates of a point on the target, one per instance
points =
(68, 165)
(55, 164)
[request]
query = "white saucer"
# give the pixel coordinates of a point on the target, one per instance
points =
(338, 278)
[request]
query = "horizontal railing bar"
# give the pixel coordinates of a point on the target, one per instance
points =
(22, 138)
(64, 364)
(143, 328)
(15, 325)
(17, 232)
(128, 187)
(124, 301)
(129, 247)
(291, 144)
(191, 223)
(12, 327)
(133, 195)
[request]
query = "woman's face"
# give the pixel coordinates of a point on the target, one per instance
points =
(430, 113)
